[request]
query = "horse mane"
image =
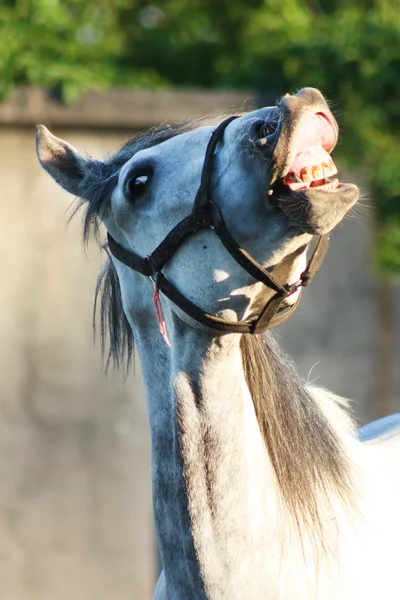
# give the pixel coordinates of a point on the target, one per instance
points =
(303, 430)
(116, 337)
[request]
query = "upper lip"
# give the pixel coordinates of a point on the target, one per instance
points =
(285, 147)
(288, 139)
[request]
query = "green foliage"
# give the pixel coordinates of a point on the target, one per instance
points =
(67, 45)
(350, 50)
(353, 55)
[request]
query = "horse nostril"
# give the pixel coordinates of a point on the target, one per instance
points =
(264, 137)
(263, 129)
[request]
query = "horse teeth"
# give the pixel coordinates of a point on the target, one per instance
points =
(330, 185)
(314, 173)
(305, 174)
(326, 170)
(317, 172)
(294, 178)
(333, 167)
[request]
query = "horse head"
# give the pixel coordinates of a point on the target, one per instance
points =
(268, 179)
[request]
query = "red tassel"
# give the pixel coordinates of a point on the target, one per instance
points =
(160, 316)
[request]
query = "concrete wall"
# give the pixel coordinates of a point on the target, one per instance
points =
(75, 507)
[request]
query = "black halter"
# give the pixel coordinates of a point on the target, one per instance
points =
(207, 215)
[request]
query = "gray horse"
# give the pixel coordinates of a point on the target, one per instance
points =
(262, 488)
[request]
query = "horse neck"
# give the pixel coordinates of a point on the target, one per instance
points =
(213, 486)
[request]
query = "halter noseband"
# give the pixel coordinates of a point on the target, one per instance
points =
(207, 215)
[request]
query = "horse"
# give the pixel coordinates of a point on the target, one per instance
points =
(262, 486)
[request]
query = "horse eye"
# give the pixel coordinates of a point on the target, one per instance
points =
(136, 186)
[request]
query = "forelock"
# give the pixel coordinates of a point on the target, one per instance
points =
(101, 177)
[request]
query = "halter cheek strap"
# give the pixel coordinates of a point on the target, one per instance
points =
(207, 215)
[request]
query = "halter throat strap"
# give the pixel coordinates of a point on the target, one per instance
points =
(207, 215)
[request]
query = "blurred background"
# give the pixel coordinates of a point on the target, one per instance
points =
(75, 500)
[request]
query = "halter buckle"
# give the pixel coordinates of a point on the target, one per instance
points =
(293, 287)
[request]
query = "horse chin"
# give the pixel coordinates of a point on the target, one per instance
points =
(315, 211)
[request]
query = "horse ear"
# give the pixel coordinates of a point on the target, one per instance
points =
(65, 165)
